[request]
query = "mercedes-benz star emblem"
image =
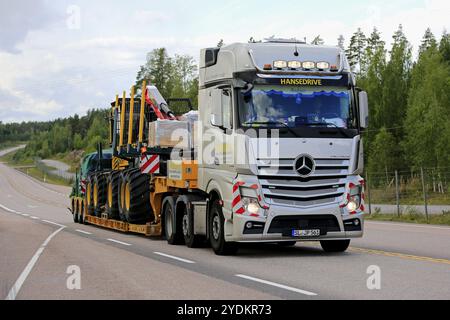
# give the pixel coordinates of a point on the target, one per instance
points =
(304, 165)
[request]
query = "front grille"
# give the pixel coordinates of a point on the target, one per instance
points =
(282, 185)
(285, 224)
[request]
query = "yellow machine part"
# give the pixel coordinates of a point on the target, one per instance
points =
(119, 164)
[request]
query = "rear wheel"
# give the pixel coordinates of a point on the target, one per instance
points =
(112, 198)
(82, 216)
(135, 197)
(190, 239)
(173, 235)
(335, 246)
(217, 233)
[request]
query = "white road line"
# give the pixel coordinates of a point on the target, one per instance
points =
(54, 223)
(83, 232)
(273, 284)
(25, 214)
(119, 242)
(7, 209)
(23, 276)
(35, 218)
(406, 225)
(173, 257)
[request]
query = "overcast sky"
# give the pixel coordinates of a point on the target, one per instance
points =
(55, 63)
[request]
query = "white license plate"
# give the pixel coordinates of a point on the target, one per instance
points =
(305, 233)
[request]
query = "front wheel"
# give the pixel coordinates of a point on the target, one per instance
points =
(335, 246)
(217, 233)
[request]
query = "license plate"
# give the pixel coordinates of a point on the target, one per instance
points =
(305, 233)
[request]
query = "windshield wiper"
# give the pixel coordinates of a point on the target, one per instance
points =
(326, 124)
(274, 123)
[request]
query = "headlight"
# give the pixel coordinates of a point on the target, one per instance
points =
(355, 198)
(280, 64)
(251, 205)
(352, 206)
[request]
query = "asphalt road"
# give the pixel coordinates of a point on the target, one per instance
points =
(39, 243)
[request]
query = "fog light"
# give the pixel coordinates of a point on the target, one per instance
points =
(352, 206)
(249, 225)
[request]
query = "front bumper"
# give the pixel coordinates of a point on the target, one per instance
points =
(332, 220)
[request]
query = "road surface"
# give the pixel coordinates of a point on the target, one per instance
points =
(39, 243)
(61, 169)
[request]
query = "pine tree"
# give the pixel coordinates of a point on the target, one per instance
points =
(356, 51)
(220, 44)
(318, 41)
(428, 41)
(444, 46)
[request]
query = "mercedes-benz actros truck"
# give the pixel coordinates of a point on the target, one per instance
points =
(276, 154)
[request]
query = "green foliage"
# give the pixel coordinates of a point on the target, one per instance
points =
(175, 77)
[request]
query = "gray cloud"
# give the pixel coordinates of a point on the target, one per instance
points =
(18, 18)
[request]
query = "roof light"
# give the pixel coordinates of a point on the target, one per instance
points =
(281, 64)
(323, 65)
(334, 68)
(308, 65)
(294, 64)
(267, 67)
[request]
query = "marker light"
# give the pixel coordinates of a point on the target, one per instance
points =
(308, 65)
(294, 64)
(323, 65)
(267, 67)
(281, 64)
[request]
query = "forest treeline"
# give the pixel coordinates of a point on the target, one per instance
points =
(409, 100)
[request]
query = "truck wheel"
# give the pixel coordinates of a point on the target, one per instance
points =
(121, 194)
(89, 195)
(81, 217)
(190, 239)
(217, 233)
(112, 195)
(173, 235)
(99, 193)
(335, 246)
(137, 207)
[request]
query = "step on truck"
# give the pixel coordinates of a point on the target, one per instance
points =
(274, 154)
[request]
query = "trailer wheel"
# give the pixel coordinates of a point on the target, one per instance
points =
(187, 221)
(217, 234)
(335, 246)
(173, 235)
(89, 195)
(99, 193)
(112, 199)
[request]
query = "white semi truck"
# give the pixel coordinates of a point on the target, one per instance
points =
(277, 154)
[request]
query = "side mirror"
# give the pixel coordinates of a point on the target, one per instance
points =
(363, 110)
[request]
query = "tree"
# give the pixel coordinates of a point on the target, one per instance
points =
(220, 44)
(428, 41)
(384, 148)
(356, 51)
(444, 46)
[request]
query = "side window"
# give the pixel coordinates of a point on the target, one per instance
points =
(227, 110)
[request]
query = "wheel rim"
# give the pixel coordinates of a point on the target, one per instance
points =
(95, 194)
(169, 229)
(216, 227)
(185, 224)
(110, 196)
(127, 197)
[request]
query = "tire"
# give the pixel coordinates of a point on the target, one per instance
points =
(136, 205)
(81, 218)
(89, 195)
(335, 246)
(173, 234)
(287, 244)
(99, 193)
(187, 225)
(112, 195)
(217, 235)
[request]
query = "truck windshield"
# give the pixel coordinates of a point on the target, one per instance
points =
(296, 107)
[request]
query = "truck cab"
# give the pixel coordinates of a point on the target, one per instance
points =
(281, 147)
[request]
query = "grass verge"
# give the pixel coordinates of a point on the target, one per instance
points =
(39, 175)
(443, 219)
